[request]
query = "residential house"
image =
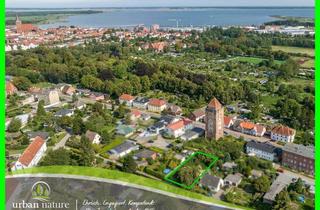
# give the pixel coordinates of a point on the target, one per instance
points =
(157, 105)
(174, 109)
(124, 130)
(51, 98)
(213, 183)
(145, 116)
(194, 133)
(263, 150)
(93, 137)
(256, 173)
(145, 154)
(249, 128)
(299, 157)
(228, 121)
(96, 96)
(198, 115)
(229, 165)
(140, 102)
(157, 127)
(68, 90)
(64, 112)
(135, 114)
(276, 187)
(179, 128)
(32, 155)
(158, 46)
(32, 135)
(123, 149)
(79, 105)
(10, 88)
(283, 133)
(233, 179)
(126, 99)
(23, 118)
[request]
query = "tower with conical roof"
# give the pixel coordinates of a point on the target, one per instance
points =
(18, 21)
(214, 120)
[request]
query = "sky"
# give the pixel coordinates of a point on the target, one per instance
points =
(151, 3)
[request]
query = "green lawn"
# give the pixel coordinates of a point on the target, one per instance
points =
(121, 176)
(287, 49)
(253, 60)
(117, 141)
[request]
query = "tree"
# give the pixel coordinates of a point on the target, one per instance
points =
(262, 184)
(22, 83)
(282, 200)
(14, 125)
(60, 156)
(77, 125)
(40, 110)
(129, 165)
(297, 186)
(289, 69)
(86, 152)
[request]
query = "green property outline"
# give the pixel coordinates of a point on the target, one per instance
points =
(174, 171)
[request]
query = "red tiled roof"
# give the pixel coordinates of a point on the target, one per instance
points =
(135, 112)
(31, 151)
(214, 103)
(10, 88)
(198, 113)
(179, 124)
(283, 130)
(126, 97)
(176, 125)
(227, 120)
(157, 102)
(26, 28)
(247, 125)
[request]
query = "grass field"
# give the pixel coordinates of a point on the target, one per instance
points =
(253, 60)
(121, 176)
(308, 51)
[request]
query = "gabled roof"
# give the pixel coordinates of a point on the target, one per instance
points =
(126, 97)
(209, 180)
(198, 113)
(283, 130)
(91, 135)
(227, 120)
(31, 151)
(247, 125)
(157, 102)
(266, 147)
(214, 103)
(10, 88)
(135, 112)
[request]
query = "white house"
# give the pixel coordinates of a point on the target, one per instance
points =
(32, 155)
(93, 137)
(126, 99)
(283, 133)
(262, 150)
(179, 128)
(157, 105)
(213, 183)
(140, 103)
(123, 149)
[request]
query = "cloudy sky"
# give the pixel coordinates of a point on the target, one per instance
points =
(151, 3)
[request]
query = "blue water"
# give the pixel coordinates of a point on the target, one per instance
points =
(167, 17)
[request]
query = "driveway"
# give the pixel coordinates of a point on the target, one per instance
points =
(62, 142)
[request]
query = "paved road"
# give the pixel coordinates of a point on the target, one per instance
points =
(288, 173)
(62, 142)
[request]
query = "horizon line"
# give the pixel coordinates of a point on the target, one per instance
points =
(111, 7)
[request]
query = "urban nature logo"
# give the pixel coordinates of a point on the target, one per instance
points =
(41, 191)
